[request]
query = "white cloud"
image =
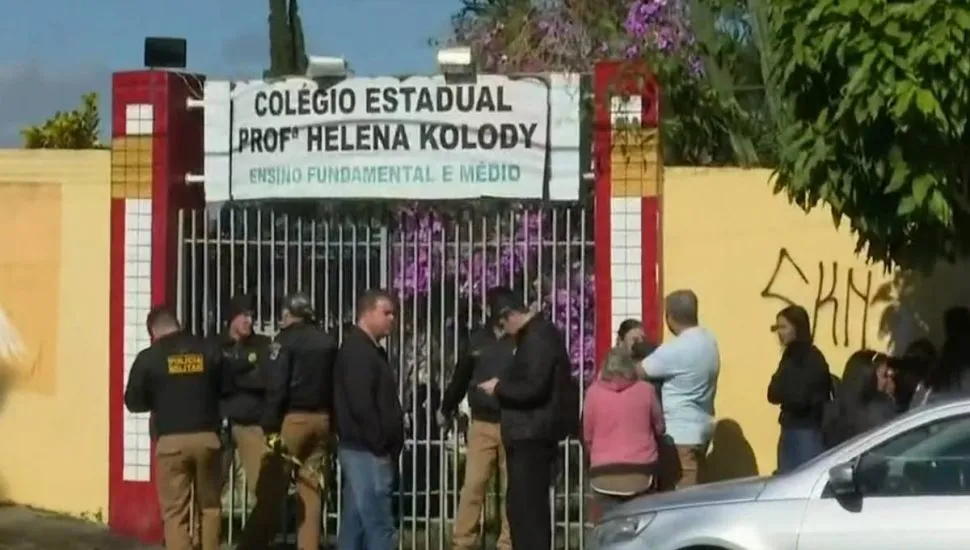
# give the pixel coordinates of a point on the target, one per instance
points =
(30, 92)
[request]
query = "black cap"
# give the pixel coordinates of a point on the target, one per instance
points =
(299, 304)
(239, 305)
(501, 301)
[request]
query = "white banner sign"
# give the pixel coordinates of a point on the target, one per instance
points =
(417, 138)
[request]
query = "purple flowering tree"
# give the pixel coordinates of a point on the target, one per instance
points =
(444, 263)
(701, 120)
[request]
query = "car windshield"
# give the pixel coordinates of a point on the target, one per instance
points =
(863, 435)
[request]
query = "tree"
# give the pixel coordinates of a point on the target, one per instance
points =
(876, 99)
(693, 57)
(287, 49)
(75, 129)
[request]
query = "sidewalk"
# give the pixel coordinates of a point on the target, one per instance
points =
(26, 529)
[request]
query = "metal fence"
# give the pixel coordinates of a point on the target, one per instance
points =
(439, 263)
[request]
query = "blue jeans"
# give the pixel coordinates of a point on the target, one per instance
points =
(797, 446)
(367, 520)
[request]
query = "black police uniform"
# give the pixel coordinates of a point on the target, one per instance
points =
(242, 404)
(179, 381)
(484, 358)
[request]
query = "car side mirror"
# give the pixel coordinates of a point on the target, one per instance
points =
(842, 479)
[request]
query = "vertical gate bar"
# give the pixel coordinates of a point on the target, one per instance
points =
(425, 375)
(285, 245)
(206, 274)
(567, 242)
(368, 249)
(385, 243)
(313, 271)
(233, 243)
(220, 287)
(180, 262)
(258, 241)
(355, 281)
(340, 271)
(245, 253)
(524, 243)
(271, 252)
(469, 282)
(401, 265)
(299, 261)
(438, 437)
(412, 380)
(194, 306)
(326, 277)
(582, 353)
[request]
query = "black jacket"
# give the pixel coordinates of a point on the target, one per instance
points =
(485, 357)
(178, 379)
(299, 374)
(243, 366)
(539, 399)
(366, 403)
(801, 385)
(842, 423)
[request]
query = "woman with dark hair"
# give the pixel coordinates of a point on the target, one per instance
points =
(630, 335)
(862, 402)
(801, 386)
(910, 371)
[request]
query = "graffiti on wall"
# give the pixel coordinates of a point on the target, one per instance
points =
(30, 271)
(838, 298)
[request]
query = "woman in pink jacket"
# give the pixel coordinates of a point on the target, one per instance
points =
(622, 423)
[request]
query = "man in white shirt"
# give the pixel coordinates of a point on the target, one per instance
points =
(686, 367)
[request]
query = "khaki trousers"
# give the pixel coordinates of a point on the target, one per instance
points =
(680, 465)
(251, 447)
(305, 436)
(183, 461)
(485, 453)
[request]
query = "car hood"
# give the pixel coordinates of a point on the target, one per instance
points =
(737, 490)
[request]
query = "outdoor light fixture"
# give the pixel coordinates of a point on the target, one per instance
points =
(320, 66)
(457, 60)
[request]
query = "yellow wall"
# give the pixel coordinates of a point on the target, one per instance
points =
(744, 250)
(54, 280)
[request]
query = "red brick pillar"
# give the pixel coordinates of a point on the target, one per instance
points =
(627, 227)
(155, 141)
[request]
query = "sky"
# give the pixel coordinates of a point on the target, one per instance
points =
(53, 51)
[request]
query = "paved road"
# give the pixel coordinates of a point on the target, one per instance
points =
(25, 529)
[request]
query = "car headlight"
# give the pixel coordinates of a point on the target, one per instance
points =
(621, 530)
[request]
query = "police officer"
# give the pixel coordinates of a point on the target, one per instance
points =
(299, 401)
(540, 408)
(243, 356)
(179, 382)
(489, 352)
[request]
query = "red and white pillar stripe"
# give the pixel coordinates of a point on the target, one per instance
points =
(155, 142)
(626, 145)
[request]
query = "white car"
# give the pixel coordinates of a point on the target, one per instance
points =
(903, 486)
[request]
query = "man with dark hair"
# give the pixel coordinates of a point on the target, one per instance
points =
(487, 354)
(296, 421)
(370, 427)
(540, 408)
(244, 356)
(179, 382)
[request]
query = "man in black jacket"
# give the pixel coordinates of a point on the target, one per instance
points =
(539, 409)
(296, 416)
(179, 381)
(370, 427)
(488, 353)
(244, 355)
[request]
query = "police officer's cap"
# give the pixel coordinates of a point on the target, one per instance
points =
(240, 305)
(299, 305)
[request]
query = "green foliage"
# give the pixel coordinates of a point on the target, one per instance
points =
(287, 48)
(876, 98)
(75, 129)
